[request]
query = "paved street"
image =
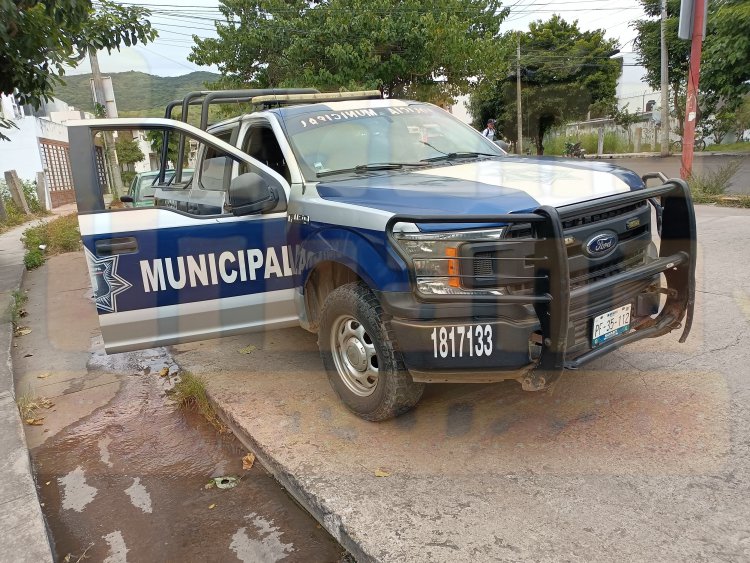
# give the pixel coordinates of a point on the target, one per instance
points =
(703, 163)
(641, 456)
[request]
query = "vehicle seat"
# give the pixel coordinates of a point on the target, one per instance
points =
(264, 147)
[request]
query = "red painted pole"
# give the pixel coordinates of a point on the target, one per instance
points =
(691, 107)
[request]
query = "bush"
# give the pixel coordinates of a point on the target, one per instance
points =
(33, 258)
(713, 182)
(15, 215)
(57, 236)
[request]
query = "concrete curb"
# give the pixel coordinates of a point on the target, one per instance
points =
(23, 531)
(706, 154)
(312, 503)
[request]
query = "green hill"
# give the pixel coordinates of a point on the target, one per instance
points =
(137, 93)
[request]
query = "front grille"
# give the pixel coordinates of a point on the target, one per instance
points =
(482, 264)
(514, 264)
(589, 219)
(605, 270)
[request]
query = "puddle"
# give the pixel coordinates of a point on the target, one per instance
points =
(127, 483)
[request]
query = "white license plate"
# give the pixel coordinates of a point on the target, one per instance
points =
(610, 325)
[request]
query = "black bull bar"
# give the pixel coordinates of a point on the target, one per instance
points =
(552, 295)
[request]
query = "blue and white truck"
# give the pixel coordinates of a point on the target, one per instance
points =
(416, 249)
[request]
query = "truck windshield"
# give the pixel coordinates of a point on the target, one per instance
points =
(364, 139)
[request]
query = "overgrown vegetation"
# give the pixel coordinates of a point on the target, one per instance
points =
(714, 182)
(190, 393)
(613, 143)
(16, 216)
(730, 147)
(54, 237)
(710, 187)
(19, 299)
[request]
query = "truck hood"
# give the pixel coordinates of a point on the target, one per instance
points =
(506, 185)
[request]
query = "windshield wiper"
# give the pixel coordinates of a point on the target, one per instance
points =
(370, 167)
(457, 155)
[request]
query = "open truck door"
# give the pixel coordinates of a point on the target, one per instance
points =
(209, 259)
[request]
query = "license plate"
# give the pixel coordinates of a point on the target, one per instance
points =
(610, 325)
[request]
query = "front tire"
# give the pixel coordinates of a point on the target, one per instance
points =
(363, 366)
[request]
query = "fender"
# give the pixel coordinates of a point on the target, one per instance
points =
(367, 253)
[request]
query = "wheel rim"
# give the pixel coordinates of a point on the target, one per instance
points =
(354, 355)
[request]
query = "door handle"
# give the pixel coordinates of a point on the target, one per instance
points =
(112, 246)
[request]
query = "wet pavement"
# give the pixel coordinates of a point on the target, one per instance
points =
(121, 472)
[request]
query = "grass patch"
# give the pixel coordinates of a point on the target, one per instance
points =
(54, 237)
(554, 145)
(730, 147)
(16, 307)
(29, 405)
(190, 393)
(15, 216)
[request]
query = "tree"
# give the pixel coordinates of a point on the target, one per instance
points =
(128, 151)
(625, 119)
(719, 124)
(426, 49)
(726, 56)
(564, 71)
(156, 138)
(39, 39)
(742, 115)
(725, 67)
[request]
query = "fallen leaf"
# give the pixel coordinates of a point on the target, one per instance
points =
(42, 376)
(209, 485)
(164, 372)
(211, 506)
(381, 473)
(41, 504)
(48, 482)
(35, 421)
(247, 349)
(68, 558)
(23, 331)
(247, 461)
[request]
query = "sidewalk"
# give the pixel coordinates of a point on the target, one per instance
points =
(23, 534)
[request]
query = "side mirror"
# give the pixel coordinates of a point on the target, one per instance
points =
(126, 199)
(250, 193)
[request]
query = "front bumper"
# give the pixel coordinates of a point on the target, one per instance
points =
(538, 334)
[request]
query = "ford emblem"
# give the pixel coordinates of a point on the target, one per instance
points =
(601, 244)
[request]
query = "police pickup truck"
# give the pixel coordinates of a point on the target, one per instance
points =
(414, 247)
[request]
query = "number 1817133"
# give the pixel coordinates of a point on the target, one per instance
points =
(461, 341)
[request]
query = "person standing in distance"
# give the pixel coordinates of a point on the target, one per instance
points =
(489, 131)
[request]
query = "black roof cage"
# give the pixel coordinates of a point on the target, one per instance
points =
(267, 97)
(206, 98)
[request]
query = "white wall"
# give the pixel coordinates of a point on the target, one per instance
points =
(21, 153)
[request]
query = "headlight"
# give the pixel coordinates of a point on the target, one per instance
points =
(436, 257)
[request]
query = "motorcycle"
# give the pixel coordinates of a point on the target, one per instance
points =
(574, 150)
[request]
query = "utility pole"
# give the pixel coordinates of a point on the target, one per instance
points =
(694, 73)
(664, 82)
(519, 143)
(109, 141)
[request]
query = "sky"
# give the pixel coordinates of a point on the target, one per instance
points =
(177, 20)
